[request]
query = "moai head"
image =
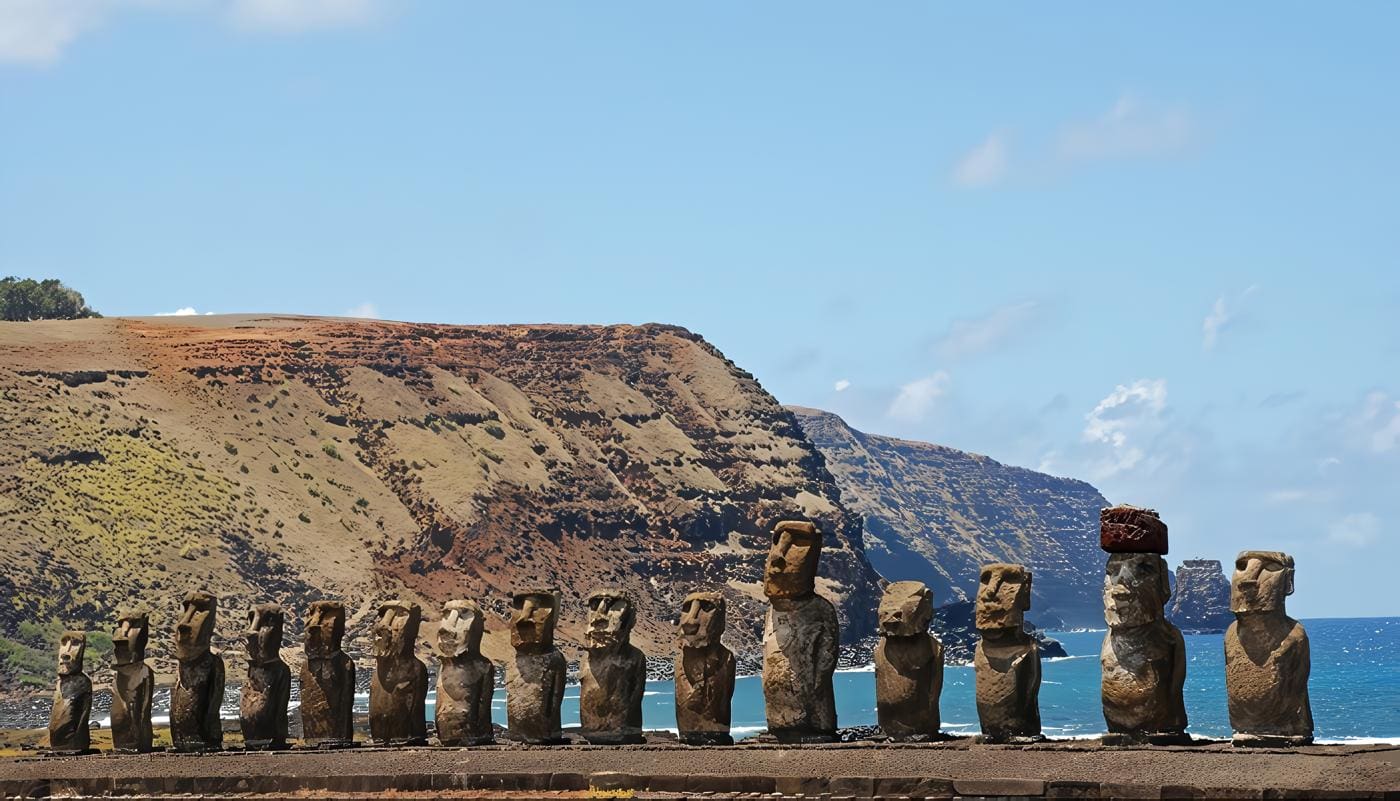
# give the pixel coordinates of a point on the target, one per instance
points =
(791, 570)
(1003, 596)
(1262, 580)
(610, 618)
(325, 629)
(71, 646)
(196, 626)
(396, 628)
(702, 620)
(459, 632)
(129, 640)
(906, 609)
(532, 619)
(1135, 588)
(263, 635)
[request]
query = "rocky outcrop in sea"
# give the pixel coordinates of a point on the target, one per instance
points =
(1201, 599)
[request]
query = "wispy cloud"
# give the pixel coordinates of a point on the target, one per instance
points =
(292, 16)
(365, 310)
(1355, 530)
(1132, 128)
(1121, 420)
(917, 398)
(842, 385)
(37, 31)
(984, 165)
(185, 311)
(975, 335)
(1220, 317)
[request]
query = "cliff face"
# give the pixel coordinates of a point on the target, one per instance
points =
(936, 514)
(1201, 597)
(284, 459)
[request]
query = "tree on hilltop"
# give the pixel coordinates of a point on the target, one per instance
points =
(24, 299)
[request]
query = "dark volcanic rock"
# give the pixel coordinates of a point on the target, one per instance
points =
(1201, 598)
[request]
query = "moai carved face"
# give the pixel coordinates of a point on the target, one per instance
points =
(396, 628)
(325, 629)
(1262, 580)
(610, 619)
(791, 570)
(532, 619)
(906, 609)
(1003, 596)
(702, 620)
(1135, 588)
(71, 647)
(459, 632)
(263, 635)
(129, 640)
(196, 626)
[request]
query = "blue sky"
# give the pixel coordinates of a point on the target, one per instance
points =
(1152, 248)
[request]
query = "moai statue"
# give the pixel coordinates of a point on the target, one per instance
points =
(800, 639)
(199, 681)
(535, 677)
(398, 691)
(466, 679)
(704, 675)
(262, 706)
(1007, 660)
(613, 674)
(72, 698)
(327, 679)
(1267, 659)
(1144, 656)
(908, 664)
(133, 687)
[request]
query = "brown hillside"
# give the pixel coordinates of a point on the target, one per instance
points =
(272, 458)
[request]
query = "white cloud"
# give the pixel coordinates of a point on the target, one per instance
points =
(290, 16)
(1121, 420)
(1131, 129)
(1218, 318)
(1356, 530)
(187, 311)
(37, 31)
(843, 385)
(917, 398)
(1375, 427)
(976, 335)
(366, 310)
(984, 165)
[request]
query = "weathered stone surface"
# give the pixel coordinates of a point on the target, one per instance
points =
(327, 678)
(1132, 529)
(199, 681)
(72, 698)
(1267, 658)
(908, 664)
(398, 691)
(704, 675)
(465, 679)
(1007, 661)
(1201, 598)
(535, 677)
(1143, 656)
(133, 685)
(800, 637)
(262, 703)
(613, 674)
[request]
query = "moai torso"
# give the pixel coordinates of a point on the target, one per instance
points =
(1267, 659)
(327, 678)
(1143, 657)
(466, 679)
(1007, 659)
(800, 639)
(262, 706)
(199, 680)
(398, 691)
(908, 664)
(72, 698)
(535, 676)
(133, 685)
(704, 675)
(613, 674)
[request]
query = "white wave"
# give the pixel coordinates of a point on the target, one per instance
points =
(653, 692)
(1358, 741)
(1067, 658)
(870, 668)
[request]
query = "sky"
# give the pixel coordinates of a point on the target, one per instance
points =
(1151, 248)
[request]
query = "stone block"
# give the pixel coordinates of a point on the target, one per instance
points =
(996, 787)
(861, 786)
(1072, 789)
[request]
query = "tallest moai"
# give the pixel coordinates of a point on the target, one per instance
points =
(800, 639)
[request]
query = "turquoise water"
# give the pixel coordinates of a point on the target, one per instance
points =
(1355, 688)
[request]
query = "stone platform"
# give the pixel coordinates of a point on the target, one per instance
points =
(958, 769)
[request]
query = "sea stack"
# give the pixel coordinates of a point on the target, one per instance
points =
(800, 639)
(704, 672)
(1267, 658)
(1007, 659)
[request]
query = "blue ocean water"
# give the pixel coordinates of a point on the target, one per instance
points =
(1354, 687)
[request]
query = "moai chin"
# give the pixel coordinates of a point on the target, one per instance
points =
(199, 681)
(800, 639)
(613, 673)
(72, 698)
(908, 664)
(133, 686)
(327, 679)
(262, 705)
(1143, 656)
(1007, 659)
(398, 691)
(466, 679)
(535, 676)
(1267, 659)
(704, 675)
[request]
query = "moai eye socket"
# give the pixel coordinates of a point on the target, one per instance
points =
(708, 606)
(1241, 565)
(986, 577)
(777, 537)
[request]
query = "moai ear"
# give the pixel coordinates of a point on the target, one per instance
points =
(1025, 599)
(1164, 585)
(1288, 578)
